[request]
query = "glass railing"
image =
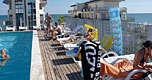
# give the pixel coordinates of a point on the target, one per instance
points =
(7, 23)
(72, 11)
(43, 0)
(98, 9)
(123, 9)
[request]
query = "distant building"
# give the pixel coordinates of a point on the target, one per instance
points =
(25, 12)
(97, 9)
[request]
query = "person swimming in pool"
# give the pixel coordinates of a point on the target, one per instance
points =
(3, 55)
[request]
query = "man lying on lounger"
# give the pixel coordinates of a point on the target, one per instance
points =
(87, 35)
(123, 68)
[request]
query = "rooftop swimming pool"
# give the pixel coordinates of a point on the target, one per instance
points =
(18, 46)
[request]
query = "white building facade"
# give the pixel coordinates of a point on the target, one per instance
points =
(97, 9)
(26, 12)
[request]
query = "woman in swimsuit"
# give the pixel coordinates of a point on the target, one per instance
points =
(141, 57)
(49, 21)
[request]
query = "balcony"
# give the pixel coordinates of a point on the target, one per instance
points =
(102, 9)
(123, 9)
(71, 11)
(10, 11)
(129, 19)
(7, 1)
(43, 3)
(7, 23)
(97, 9)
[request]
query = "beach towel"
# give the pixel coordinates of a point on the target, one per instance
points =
(95, 31)
(115, 23)
(90, 54)
(119, 70)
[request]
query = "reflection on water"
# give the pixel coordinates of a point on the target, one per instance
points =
(19, 46)
(2, 62)
(7, 42)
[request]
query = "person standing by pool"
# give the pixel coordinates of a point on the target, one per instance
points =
(48, 22)
(3, 55)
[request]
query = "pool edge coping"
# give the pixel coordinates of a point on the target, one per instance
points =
(36, 70)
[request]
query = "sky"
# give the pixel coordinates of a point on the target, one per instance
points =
(62, 6)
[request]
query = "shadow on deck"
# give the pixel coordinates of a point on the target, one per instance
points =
(56, 64)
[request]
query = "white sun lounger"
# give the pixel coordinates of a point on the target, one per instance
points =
(72, 45)
(10, 28)
(113, 60)
(22, 28)
(36, 27)
(68, 33)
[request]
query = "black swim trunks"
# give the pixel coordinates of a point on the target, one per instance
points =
(59, 33)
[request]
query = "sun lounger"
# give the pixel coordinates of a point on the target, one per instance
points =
(36, 27)
(67, 33)
(108, 42)
(22, 28)
(114, 60)
(105, 43)
(72, 45)
(10, 28)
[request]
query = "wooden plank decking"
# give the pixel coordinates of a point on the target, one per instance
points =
(57, 65)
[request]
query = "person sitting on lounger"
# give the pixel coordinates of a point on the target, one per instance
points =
(57, 29)
(72, 39)
(88, 34)
(123, 68)
(3, 55)
(141, 57)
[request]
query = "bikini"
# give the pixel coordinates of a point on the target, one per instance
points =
(143, 59)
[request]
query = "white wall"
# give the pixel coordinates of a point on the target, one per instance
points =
(37, 12)
(111, 4)
(14, 12)
(75, 8)
(98, 3)
(104, 4)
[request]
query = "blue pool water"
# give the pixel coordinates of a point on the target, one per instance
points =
(18, 46)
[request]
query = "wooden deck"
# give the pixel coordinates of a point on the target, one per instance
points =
(57, 65)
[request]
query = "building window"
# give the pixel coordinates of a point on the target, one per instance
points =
(40, 7)
(34, 23)
(31, 14)
(41, 19)
(19, 7)
(10, 6)
(10, 17)
(18, 0)
(34, 16)
(41, 16)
